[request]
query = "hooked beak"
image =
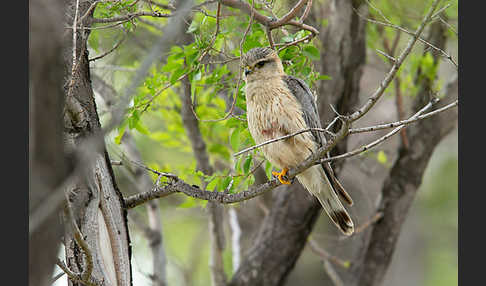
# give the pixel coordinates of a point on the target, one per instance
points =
(247, 70)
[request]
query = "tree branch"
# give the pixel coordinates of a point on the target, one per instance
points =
(391, 25)
(404, 122)
(381, 139)
(391, 74)
(176, 185)
(131, 16)
(289, 16)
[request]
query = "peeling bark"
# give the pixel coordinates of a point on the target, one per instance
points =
(97, 203)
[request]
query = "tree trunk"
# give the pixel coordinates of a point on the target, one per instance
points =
(97, 204)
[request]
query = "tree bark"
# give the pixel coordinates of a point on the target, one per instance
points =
(142, 182)
(96, 202)
(283, 233)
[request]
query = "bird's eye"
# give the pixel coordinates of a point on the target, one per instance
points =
(260, 64)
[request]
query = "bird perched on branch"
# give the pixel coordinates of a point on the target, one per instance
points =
(277, 105)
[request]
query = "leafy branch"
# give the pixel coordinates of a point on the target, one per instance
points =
(175, 184)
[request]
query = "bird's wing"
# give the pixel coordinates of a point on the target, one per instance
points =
(304, 96)
(302, 93)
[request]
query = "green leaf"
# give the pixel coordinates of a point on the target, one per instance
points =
(288, 39)
(232, 122)
(225, 183)
(200, 174)
(141, 128)
(247, 164)
(213, 184)
(268, 170)
(381, 157)
(311, 52)
(235, 139)
(236, 183)
(176, 74)
(193, 27)
(121, 131)
(238, 164)
(93, 40)
(220, 150)
(324, 77)
(133, 119)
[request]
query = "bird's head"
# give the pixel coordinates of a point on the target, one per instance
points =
(260, 63)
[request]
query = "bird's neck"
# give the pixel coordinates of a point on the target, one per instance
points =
(264, 90)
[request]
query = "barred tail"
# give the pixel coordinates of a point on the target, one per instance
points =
(317, 183)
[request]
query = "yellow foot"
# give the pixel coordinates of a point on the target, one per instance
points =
(280, 175)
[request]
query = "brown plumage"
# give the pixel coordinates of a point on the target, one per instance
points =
(279, 104)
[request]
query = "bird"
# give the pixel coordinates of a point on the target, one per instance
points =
(279, 104)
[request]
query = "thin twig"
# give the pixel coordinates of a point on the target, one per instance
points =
(441, 10)
(398, 93)
(369, 222)
(381, 139)
(352, 130)
(75, 276)
(233, 104)
(392, 59)
(314, 246)
(391, 74)
(446, 55)
(110, 51)
(332, 274)
(55, 278)
(131, 16)
(379, 11)
(75, 21)
(90, 9)
(290, 15)
(268, 31)
(448, 25)
(160, 5)
(403, 122)
(278, 139)
(306, 11)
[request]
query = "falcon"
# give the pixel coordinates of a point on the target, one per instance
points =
(277, 105)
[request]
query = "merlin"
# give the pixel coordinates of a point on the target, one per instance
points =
(277, 105)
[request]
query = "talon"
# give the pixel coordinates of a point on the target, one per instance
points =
(280, 176)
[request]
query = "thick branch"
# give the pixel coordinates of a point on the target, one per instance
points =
(176, 185)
